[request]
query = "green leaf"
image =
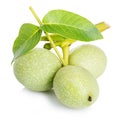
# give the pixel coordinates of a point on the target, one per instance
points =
(28, 37)
(70, 25)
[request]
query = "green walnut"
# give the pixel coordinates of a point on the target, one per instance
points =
(75, 87)
(90, 57)
(36, 69)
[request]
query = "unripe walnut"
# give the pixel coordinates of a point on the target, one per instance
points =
(90, 57)
(36, 69)
(75, 87)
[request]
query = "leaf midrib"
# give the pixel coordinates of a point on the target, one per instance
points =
(58, 24)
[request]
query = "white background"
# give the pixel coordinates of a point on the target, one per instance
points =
(16, 102)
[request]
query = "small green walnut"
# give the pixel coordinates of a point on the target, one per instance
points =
(75, 87)
(36, 69)
(90, 57)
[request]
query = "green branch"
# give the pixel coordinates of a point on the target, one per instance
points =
(47, 35)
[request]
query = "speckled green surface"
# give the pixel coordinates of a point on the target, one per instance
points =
(36, 69)
(90, 57)
(75, 87)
